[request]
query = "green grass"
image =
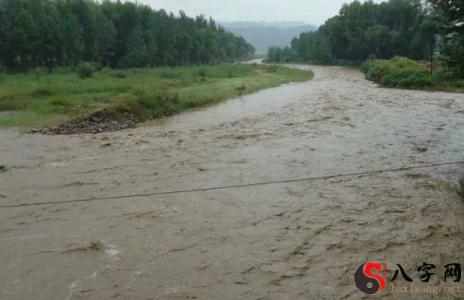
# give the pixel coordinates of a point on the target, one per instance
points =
(401, 72)
(39, 99)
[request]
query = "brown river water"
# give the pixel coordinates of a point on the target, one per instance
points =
(290, 240)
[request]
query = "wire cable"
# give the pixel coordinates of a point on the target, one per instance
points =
(238, 186)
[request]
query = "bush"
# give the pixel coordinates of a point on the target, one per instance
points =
(400, 72)
(442, 77)
(406, 78)
(460, 83)
(149, 104)
(85, 70)
(406, 63)
(376, 69)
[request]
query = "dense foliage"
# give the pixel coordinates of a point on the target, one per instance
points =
(397, 72)
(312, 46)
(277, 54)
(452, 27)
(35, 33)
(406, 73)
(363, 30)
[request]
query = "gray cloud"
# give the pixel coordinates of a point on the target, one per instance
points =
(308, 11)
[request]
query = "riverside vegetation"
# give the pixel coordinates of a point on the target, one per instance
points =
(57, 33)
(389, 36)
(39, 98)
(71, 61)
(401, 72)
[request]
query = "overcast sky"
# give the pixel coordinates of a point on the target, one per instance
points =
(308, 11)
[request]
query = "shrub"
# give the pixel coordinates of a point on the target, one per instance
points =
(377, 69)
(400, 72)
(367, 65)
(442, 77)
(158, 105)
(460, 83)
(406, 63)
(406, 78)
(85, 70)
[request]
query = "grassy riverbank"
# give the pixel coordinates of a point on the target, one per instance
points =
(39, 99)
(401, 72)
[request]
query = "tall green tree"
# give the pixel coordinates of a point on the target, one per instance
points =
(37, 33)
(313, 47)
(452, 12)
(382, 30)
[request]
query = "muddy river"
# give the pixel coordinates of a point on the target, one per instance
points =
(289, 240)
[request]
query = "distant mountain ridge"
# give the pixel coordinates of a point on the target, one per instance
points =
(263, 35)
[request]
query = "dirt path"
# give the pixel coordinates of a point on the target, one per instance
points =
(301, 240)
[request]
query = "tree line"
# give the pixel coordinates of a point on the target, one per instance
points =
(452, 29)
(409, 28)
(50, 33)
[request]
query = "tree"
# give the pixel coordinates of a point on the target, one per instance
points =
(428, 36)
(17, 32)
(452, 26)
(366, 29)
(274, 54)
(36, 33)
(378, 38)
(314, 47)
(137, 54)
(105, 39)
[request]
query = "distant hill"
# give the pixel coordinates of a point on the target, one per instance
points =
(263, 35)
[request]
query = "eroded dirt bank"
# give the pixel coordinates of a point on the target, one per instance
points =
(300, 240)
